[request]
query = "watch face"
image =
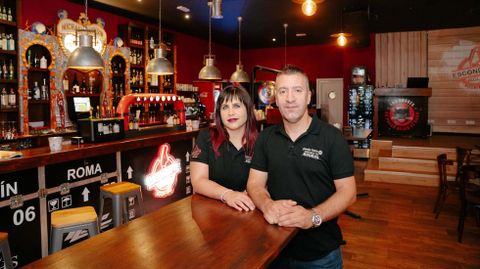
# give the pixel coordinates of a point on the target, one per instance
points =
(316, 220)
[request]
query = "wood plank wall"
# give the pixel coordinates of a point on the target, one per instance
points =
(398, 56)
(455, 105)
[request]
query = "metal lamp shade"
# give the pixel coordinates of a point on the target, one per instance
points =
(239, 75)
(160, 65)
(85, 57)
(209, 71)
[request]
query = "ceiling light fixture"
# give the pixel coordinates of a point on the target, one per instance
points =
(159, 65)
(309, 7)
(341, 36)
(239, 75)
(217, 9)
(85, 57)
(209, 71)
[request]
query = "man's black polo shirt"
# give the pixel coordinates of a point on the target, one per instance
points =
(304, 171)
(230, 169)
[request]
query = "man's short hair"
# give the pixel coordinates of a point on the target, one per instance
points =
(291, 69)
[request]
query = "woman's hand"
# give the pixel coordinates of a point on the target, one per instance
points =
(239, 200)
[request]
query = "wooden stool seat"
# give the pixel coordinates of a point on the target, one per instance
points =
(70, 220)
(121, 187)
(73, 216)
(5, 251)
(119, 194)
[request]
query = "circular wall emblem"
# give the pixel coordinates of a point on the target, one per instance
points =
(402, 115)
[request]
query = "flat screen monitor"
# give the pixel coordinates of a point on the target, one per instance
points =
(81, 104)
(417, 82)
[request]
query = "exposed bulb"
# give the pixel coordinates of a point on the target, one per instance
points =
(342, 40)
(309, 7)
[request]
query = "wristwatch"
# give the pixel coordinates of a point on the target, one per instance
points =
(316, 219)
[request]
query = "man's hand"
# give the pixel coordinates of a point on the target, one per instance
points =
(239, 200)
(274, 209)
(297, 216)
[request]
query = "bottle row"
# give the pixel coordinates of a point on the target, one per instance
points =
(8, 100)
(7, 72)
(8, 130)
(39, 93)
(136, 56)
(80, 88)
(117, 68)
(136, 77)
(139, 117)
(37, 62)
(7, 42)
(108, 128)
(6, 14)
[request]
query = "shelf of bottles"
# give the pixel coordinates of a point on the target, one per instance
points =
(9, 116)
(118, 78)
(38, 60)
(78, 83)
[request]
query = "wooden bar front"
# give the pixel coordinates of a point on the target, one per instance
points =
(195, 232)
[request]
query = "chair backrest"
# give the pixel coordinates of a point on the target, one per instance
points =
(442, 169)
(470, 192)
(462, 159)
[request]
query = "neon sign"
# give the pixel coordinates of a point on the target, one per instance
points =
(163, 173)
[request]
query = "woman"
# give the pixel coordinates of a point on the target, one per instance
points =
(221, 158)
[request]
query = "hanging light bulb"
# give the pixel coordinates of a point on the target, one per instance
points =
(309, 7)
(159, 65)
(209, 71)
(341, 40)
(85, 57)
(341, 36)
(239, 75)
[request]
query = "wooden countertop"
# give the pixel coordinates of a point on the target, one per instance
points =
(195, 232)
(42, 156)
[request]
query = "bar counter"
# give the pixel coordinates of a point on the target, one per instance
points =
(42, 156)
(195, 232)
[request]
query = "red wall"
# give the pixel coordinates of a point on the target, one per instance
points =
(319, 61)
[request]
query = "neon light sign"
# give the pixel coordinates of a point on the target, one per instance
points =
(163, 173)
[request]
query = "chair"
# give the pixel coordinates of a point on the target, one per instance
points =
(70, 220)
(462, 158)
(119, 193)
(5, 250)
(445, 186)
(469, 195)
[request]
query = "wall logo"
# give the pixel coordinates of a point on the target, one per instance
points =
(163, 173)
(402, 114)
(468, 71)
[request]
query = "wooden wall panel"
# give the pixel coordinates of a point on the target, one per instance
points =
(398, 56)
(455, 103)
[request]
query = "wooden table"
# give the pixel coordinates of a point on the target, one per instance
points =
(195, 232)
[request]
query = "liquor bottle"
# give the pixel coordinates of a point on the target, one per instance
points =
(44, 90)
(83, 86)
(8, 42)
(12, 98)
(4, 13)
(36, 91)
(9, 14)
(4, 99)
(11, 73)
(152, 43)
(36, 61)
(4, 70)
(11, 44)
(43, 62)
(141, 78)
(75, 86)
(4, 42)
(29, 57)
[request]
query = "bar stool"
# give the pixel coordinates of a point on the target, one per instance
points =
(69, 220)
(5, 249)
(119, 193)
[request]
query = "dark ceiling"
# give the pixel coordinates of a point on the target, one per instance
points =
(264, 19)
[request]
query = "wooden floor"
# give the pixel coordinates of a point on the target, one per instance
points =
(398, 229)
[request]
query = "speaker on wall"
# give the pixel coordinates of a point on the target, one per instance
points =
(356, 23)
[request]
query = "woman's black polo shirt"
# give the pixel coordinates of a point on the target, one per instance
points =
(304, 171)
(230, 169)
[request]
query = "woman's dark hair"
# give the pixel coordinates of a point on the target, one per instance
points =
(218, 134)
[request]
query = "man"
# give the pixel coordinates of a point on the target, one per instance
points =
(302, 176)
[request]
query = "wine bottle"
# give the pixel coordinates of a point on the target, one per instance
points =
(75, 86)
(12, 98)
(11, 73)
(36, 91)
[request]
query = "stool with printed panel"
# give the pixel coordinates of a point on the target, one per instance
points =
(119, 193)
(69, 220)
(5, 251)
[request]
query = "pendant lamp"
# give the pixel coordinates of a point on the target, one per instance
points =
(85, 57)
(239, 75)
(209, 71)
(159, 65)
(341, 36)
